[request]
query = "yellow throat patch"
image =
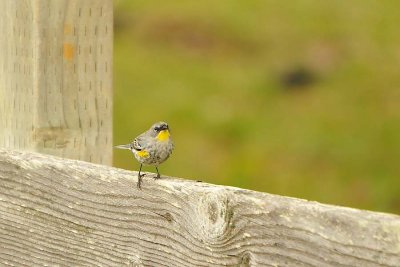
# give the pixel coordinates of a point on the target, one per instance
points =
(163, 135)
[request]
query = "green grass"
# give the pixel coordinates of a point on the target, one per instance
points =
(213, 70)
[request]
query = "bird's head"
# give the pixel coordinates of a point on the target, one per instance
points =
(160, 131)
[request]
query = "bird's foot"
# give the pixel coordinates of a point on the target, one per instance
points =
(139, 183)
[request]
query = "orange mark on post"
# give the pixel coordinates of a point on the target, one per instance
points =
(67, 29)
(68, 51)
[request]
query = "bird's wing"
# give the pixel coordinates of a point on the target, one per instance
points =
(138, 143)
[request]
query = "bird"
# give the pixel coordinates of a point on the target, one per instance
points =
(152, 147)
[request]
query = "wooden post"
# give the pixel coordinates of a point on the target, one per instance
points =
(56, 77)
(59, 212)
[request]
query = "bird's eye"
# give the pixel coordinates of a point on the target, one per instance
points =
(156, 129)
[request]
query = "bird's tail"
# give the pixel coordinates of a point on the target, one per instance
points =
(127, 146)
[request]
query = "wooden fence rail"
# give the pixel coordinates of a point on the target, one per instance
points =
(60, 212)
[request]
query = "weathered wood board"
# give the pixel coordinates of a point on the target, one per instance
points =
(56, 77)
(73, 213)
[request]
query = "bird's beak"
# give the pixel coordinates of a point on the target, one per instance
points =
(165, 127)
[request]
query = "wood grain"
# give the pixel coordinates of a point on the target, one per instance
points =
(56, 77)
(72, 213)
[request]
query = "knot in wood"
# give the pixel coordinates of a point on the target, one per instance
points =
(212, 211)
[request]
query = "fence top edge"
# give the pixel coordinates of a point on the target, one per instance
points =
(33, 160)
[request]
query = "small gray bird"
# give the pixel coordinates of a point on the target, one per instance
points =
(152, 147)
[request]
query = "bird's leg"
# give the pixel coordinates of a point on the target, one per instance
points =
(158, 173)
(140, 177)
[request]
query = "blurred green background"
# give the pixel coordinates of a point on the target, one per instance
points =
(298, 98)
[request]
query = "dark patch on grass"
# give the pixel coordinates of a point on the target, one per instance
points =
(297, 78)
